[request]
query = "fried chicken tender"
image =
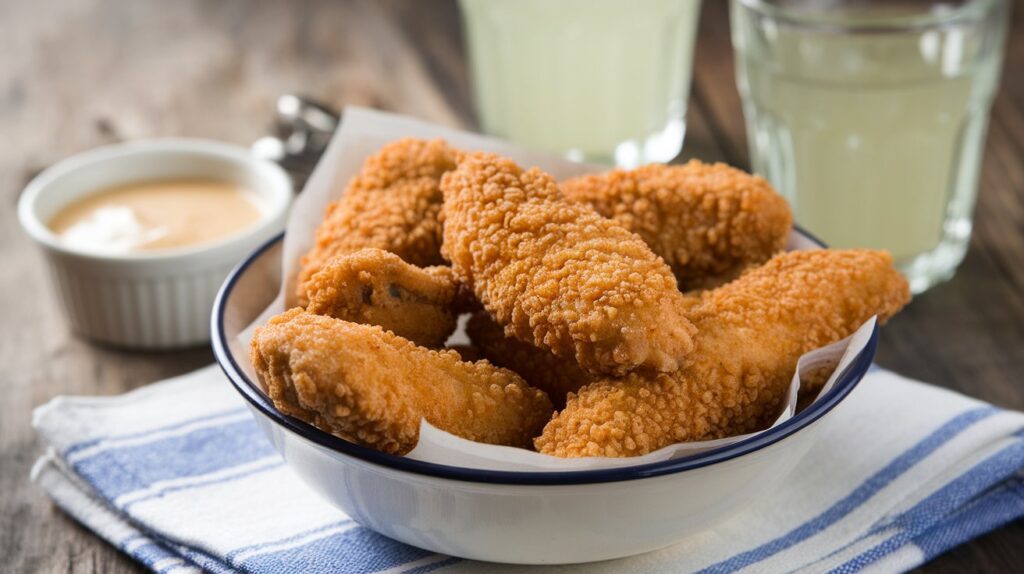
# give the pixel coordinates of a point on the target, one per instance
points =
(541, 368)
(376, 287)
(372, 387)
(392, 204)
(708, 221)
(556, 273)
(751, 333)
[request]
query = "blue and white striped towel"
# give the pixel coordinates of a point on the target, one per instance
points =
(177, 476)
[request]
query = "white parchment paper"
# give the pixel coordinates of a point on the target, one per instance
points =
(362, 133)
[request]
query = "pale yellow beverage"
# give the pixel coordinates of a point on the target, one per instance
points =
(597, 80)
(871, 120)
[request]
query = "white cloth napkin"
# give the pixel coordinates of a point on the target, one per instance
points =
(177, 476)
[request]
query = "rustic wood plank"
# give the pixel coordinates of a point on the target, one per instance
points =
(440, 46)
(77, 75)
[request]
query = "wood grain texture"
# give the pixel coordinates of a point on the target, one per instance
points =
(80, 74)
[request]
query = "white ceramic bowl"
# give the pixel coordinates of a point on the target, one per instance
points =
(160, 299)
(514, 517)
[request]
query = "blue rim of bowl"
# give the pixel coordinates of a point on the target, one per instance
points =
(846, 382)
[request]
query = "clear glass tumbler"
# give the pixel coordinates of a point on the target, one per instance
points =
(870, 117)
(597, 80)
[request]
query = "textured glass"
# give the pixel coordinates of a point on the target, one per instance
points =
(596, 80)
(870, 117)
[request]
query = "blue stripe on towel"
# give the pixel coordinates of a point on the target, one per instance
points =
(861, 494)
(153, 551)
(182, 423)
(990, 511)
(270, 465)
(150, 553)
(230, 556)
(356, 551)
(121, 470)
(203, 560)
(942, 504)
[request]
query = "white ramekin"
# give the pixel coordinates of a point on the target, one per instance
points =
(148, 300)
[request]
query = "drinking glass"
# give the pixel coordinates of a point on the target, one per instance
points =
(597, 80)
(870, 117)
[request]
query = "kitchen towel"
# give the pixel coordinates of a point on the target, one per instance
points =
(177, 476)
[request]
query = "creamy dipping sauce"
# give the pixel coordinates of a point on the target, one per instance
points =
(161, 214)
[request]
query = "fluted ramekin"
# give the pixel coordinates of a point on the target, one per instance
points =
(148, 300)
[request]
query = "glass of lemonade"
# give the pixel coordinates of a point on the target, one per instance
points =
(597, 80)
(870, 117)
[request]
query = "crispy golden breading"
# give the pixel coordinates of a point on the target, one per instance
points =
(708, 221)
(372, 387)
(556, 273)
(391, 204)
(541, 368)
(376, 287)
(751, 333)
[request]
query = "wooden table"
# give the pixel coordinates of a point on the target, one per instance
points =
(80, 74)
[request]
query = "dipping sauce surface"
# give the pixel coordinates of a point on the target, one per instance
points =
(160, 214)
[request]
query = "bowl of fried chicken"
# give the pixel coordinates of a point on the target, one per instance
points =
(608, 316)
